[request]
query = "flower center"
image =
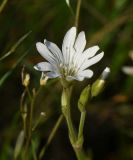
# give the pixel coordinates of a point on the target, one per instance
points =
(67, 70)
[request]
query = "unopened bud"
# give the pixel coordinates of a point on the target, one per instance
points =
(26, 80)
(43, 80)
(43, 114)
(25, 77)
(105, 73)
(84, 96)
(98, 85)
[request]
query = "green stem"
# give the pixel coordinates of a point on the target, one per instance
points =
(77, 12)
(29, 121)
(80, 154)
(51, 136)
(30, 97)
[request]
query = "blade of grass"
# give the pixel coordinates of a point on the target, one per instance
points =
(2, 6)
(7, 74)
(69, 6)
(14, 47)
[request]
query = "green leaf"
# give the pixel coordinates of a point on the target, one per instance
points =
(7, 74)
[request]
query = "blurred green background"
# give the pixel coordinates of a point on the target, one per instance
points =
(109, 122)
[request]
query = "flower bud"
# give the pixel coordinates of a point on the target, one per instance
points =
(84, 96)
(43, 114)
(43, 80)
(98, 85)
(25, 77)
(26, 80)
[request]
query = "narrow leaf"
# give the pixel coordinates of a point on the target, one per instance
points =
(68, 2)
(19, 144)
(2, 6)
(7, 74)
(14, 47)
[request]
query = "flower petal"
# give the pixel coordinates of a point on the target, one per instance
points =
(86, 73)
(52, 74)
(78, 78)
(79, 47)
(80, 42)
(54, 49)
(90, 52)
(45, 53)
(67, 46)
(44, 66)
(90, 62)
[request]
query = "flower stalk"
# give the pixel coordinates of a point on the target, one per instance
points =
(66, 96)
(77, 12)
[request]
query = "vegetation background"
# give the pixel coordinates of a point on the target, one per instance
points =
(108, 128)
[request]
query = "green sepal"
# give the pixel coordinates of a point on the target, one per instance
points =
(84, 97)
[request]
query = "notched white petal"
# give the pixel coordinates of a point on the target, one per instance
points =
(90, 52)
(80, 42)
(68, 43)
(92, 61)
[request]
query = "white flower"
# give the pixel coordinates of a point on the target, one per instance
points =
(70, 63)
